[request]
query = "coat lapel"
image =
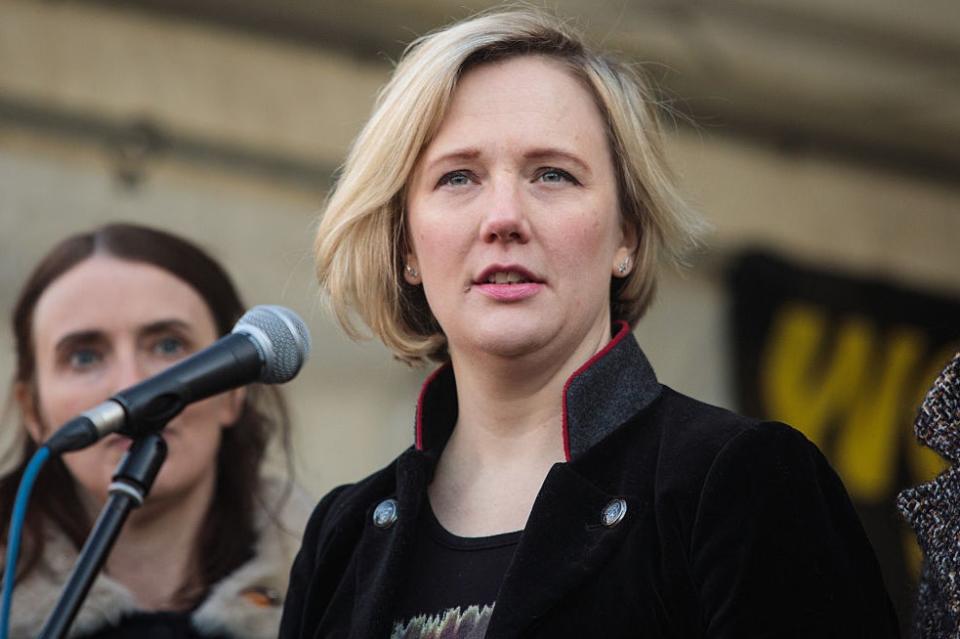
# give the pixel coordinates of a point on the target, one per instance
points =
(565, 542)
(383, 553)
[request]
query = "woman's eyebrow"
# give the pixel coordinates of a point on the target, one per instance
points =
(469, 153)
(163, 326)
(544, 153)
(75, 338)
(548, 153)
(91, 336)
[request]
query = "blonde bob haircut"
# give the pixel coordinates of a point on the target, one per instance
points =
(361, 239)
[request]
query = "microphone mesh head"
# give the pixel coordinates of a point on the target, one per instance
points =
(282, 338)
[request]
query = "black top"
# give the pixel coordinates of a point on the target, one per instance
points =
(449, 575)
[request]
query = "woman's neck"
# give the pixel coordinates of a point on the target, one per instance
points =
(508, 436)
(513, 399)
(155, 556)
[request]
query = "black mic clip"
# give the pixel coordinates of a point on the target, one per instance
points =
(85, 429)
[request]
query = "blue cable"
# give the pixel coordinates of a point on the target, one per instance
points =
(13, 537)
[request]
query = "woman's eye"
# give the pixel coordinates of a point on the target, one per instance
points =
(454, 178)
(555, 176)
(169, 347)
(84, 358)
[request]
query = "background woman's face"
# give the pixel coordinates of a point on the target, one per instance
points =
(105, 325)
(513, 212)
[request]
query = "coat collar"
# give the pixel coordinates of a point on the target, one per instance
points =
(598, 398)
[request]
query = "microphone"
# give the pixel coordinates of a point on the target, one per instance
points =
(268, 344)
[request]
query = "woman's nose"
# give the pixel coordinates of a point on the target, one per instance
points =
(505, 218)
(129, 370)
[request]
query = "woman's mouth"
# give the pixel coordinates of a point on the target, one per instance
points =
(508, 283)
(506, 277)
(118, 441)
(507, 274)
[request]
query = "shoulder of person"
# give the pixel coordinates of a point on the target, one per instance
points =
(690, 445)
(346, 506)
(36, 595)
(705, 430)
(247, 603)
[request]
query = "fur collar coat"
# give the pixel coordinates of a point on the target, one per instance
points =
(244, 605)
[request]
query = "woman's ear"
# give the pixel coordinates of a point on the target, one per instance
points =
(411, 266)
(411, 269)
(26, 401)
(623, 258)
(231, 407)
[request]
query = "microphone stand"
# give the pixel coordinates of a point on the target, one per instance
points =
(131, 483)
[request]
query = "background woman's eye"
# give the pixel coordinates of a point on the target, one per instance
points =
(84, 358)
(454, 178)
(169, 346)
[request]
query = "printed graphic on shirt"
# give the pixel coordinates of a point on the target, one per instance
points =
(450, 624)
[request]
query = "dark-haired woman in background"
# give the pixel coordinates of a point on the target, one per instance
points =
(207, 555)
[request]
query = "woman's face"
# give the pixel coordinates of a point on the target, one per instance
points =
(107, 324)
(513, 216)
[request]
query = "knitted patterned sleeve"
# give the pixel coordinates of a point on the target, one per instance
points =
(933, 511)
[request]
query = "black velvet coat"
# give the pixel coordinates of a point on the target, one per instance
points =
(734, 528)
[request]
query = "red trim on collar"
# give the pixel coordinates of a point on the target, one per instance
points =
(420, 401)
(622, 332)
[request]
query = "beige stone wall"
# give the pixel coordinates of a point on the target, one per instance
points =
(353, 405)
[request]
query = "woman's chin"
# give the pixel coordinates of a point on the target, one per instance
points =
(508, 344)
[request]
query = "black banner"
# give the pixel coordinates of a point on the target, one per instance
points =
(847, 361)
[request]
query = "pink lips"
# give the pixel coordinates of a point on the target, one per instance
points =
(508, 292)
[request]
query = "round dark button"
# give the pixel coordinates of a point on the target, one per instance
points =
(386, 513)
(614, 512)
